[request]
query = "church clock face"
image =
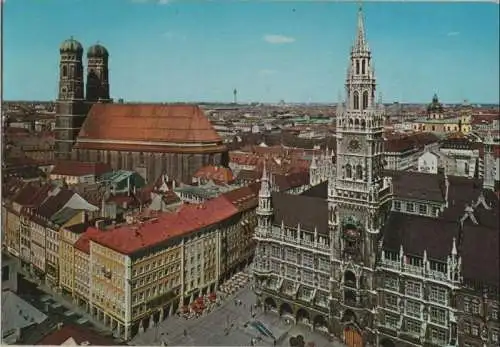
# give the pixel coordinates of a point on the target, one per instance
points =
(354, 145)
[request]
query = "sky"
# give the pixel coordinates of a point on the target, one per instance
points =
(296, 51)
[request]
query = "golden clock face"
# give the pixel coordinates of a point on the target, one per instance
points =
(354, 145)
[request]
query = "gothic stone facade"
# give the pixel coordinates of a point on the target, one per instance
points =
(377, 257)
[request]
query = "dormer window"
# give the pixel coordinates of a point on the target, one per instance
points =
(410, 207)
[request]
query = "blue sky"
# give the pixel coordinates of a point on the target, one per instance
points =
(296, 51)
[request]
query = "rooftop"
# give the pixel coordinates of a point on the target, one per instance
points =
(77, 335)
(78, 168)
(129, 239)
(292, 210)
(160, 123)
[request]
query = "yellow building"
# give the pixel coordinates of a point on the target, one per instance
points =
(142, 272)
(201, 266)
(61, 220)
(81, 280)
(11, 230)
(155, 284)
(109, 286)
(437, 121)
(68, 236)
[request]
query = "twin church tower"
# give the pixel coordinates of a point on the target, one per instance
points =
(74, 96)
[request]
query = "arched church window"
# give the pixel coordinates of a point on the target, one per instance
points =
(363, 124)
(72, 71)
(350, 122)
(357, 67)
(64, 71)
(466, 168)
(365, 99)
(350, 279)
(356, 100)
(348, 171)
(359, 172)
(363, 66)
(356, 122)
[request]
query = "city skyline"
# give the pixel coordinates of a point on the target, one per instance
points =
(268, 51)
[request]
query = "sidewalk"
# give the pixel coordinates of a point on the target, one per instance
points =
(66, 302)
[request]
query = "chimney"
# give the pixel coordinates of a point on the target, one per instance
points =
(99, 224)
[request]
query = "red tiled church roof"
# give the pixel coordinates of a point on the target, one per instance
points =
(148, 122)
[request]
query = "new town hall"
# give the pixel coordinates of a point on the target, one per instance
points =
(376, 257)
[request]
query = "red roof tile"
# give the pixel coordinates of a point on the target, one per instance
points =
(79, 168)
(32, 195)
(244, 198)
(218, 174)
(83, 242)
(132, 238)
(148, 122)
(79, 334)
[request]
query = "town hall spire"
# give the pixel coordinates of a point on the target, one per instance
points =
(360, 44)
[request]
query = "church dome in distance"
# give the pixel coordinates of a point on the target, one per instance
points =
(71, 45)
(435, 105)
(97, 51)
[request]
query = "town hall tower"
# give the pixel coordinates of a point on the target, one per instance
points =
(359, 198)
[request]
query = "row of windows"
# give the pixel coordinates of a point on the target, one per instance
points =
(154, 266)
(166, 257)
(356, 104)
(153, 291)
(155, 277)
(358, 171)
(436, 294)
(411, 207)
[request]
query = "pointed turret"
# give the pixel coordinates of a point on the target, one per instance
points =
(265, 191)
(265, 209)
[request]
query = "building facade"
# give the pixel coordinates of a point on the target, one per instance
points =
(380, 258)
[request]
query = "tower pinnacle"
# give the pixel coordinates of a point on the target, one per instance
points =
(360, 44)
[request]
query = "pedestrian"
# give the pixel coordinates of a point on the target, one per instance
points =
(185, 332)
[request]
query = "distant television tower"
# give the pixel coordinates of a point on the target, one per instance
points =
(235, 96)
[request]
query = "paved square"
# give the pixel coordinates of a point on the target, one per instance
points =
(225, 326)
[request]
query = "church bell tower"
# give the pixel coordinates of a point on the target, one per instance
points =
(359, 197)
(97, 74)
(70, 106)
